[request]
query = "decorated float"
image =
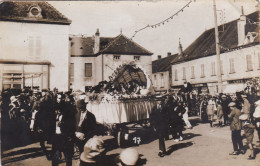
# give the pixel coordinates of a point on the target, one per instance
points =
(126, 99)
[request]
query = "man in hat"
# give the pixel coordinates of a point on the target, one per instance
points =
(85, 124)
(235, 128)
(62, 139)
(158, 122)
(224, 103)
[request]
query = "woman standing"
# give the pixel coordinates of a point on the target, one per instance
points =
(210, 110)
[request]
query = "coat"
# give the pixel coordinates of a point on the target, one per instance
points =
(157, 119)
(88, 125)
(235, 121)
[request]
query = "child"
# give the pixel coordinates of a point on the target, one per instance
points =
(249, 133)
(219, 113)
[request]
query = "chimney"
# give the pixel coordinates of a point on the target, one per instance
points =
(159, 57)
(241, 23)
(97, 42)
(180, 47)
(169, 54)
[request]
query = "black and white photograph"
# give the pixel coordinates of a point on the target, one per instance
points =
(130, 83)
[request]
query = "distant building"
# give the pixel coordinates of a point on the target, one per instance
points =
(94, 59)
(240, 57)
(34, 46)
(161, 73)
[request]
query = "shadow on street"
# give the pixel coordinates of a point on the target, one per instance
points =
(175, 147)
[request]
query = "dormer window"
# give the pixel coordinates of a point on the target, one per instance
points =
(137, 58)
(35, 12)
(116, 57)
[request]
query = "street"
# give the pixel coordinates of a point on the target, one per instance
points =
(202, 146)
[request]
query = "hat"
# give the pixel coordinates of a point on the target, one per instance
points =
(81, 104)
(244, 96)
(223, 96)
(243, 117)
(232, 104)
(129, 156)
(92, 149)
(159, 98)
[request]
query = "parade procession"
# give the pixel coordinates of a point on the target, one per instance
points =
(130, 83)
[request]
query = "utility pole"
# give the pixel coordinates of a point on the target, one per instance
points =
(217, 49)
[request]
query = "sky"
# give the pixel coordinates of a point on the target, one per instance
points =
(112, 17)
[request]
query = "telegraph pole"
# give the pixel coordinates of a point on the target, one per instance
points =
(217, 49)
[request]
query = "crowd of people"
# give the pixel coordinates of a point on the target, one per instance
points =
(63, 121)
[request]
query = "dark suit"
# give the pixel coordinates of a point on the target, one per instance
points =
(159, 123)
(87, 128)
(63, 142)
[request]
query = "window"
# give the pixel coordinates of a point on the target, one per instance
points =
(202, 70)
(192, 72)
(232, 65)
(72, 70)
(249, 63)
(176, 75)
(137, 58)
(183, 73)
(35, 47)
(116, 57)
(155, 81)
(88, 69)
(162, 81)
(213, 69)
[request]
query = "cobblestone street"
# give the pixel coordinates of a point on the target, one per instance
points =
(201, 146)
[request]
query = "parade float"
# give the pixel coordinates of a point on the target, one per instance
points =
(126, 100)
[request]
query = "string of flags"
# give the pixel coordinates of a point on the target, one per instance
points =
(163, 21)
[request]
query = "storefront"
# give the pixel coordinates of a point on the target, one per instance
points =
(19, 76)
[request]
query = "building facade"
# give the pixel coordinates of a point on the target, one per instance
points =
(239, 58)
(94, 59)
(161, 73)
(34, 46)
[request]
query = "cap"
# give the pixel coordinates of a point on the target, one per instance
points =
(243, 117)
(232, 104)
(92, 149)
(129, 156)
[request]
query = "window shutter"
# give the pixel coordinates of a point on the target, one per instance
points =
(88, 69)
(31, 45)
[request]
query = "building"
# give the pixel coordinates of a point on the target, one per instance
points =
(34, 46)
(161, 73)
(240, 57)
(94, 59)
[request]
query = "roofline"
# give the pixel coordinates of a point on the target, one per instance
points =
(36, 21)
(2, 61)
(221, 52)
(110, 43)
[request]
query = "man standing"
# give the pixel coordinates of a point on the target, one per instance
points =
(85, 124)
(235, 128)
(158, 122)
(62, 139)
(224, 104)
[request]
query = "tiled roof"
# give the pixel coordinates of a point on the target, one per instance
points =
(87, 45)
(204, 45)
(108, 45)
(123, 45)
(163, 64)
(18, 11)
